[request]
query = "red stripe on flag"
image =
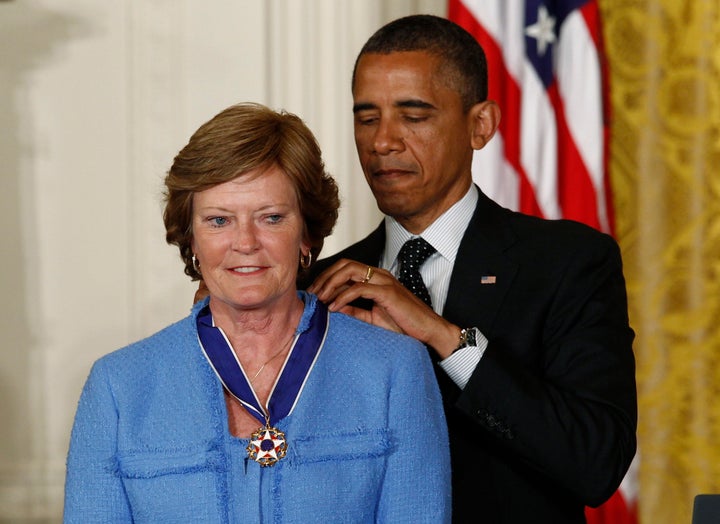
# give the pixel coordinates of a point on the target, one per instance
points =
(593, 20)
(576, 193)
(614, 511)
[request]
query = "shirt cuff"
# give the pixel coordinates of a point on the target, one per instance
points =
(460, 365)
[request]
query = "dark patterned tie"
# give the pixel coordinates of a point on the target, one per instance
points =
(412, 255)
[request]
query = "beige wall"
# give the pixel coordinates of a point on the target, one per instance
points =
(95, 100)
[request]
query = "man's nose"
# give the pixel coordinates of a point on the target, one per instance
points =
(388, 137)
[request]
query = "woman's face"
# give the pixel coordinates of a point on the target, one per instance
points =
(247, 237)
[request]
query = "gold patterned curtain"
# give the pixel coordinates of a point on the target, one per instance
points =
(664, 59)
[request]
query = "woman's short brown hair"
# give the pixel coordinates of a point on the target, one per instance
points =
(239, 139)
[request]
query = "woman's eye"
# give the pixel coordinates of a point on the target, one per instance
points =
(274, 219)
(218, 221)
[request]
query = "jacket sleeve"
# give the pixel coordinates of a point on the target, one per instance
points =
(572, 414)
(416, 487)
(93, 490)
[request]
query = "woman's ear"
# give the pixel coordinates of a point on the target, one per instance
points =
(485, 119)
(305, 256)
(305, 244)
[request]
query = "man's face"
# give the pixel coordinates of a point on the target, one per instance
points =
(413, 139)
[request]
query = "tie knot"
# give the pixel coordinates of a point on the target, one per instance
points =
(414, 252)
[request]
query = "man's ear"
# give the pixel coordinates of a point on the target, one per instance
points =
(485, 119)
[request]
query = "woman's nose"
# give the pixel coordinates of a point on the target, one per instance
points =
(245, 238)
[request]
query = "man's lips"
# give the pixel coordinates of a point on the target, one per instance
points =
(389, 172)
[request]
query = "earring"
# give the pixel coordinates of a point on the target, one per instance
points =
(305, 260)
(195, 263)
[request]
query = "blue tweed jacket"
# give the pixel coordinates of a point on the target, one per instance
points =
(367, 439)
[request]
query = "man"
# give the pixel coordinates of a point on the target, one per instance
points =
(527, 321)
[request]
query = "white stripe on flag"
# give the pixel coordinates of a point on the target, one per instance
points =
(538, 143)
(495, 175)
(577, 52)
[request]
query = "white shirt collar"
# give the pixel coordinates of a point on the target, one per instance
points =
(445, 234)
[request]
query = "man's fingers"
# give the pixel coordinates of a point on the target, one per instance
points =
(377, 317)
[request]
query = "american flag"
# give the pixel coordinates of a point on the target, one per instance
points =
(547, 75)
(547, 72)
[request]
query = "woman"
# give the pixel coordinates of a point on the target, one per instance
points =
(259, 406)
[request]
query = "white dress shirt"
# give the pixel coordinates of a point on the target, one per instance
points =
(445, 235)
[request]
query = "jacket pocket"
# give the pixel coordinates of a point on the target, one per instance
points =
(342, 446)
(172, 485)
(149, 464)
(338, 476)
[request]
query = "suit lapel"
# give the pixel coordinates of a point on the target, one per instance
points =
(370, 249)
(473, 300)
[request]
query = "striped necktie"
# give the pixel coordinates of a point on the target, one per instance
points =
(412, 255)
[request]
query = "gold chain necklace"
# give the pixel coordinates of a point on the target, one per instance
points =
(282, 350)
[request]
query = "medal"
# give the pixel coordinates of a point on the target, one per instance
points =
(268, 444)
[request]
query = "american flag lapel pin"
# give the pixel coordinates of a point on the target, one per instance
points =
(488, 279)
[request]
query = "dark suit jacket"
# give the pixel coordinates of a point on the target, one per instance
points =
(547, 423)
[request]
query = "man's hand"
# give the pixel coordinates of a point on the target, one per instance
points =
(395, 307)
